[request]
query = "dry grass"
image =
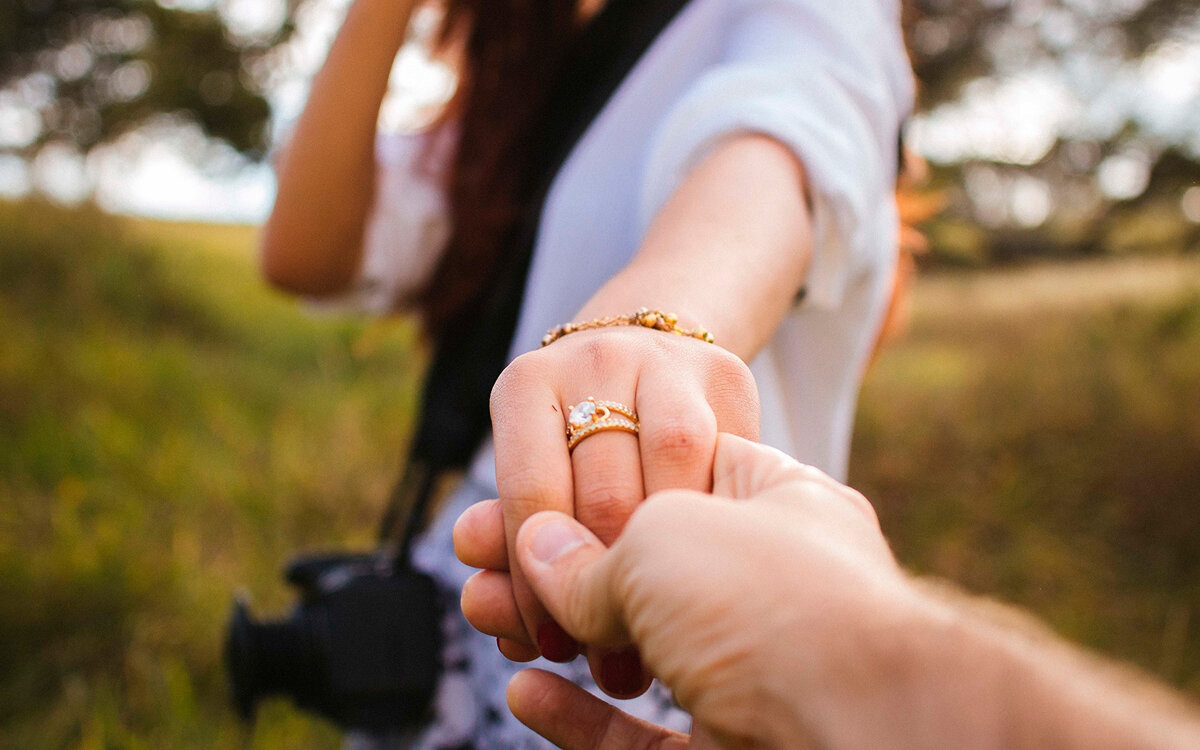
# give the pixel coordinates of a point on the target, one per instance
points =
(1036, 436)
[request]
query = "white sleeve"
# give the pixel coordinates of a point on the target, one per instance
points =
(831, 80)
(407, 227)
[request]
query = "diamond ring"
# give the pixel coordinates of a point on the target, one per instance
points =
(591, 416)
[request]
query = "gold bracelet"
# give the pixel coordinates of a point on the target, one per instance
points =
(656, 319)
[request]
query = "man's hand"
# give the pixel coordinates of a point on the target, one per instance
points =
(715, 590)
(775, 611)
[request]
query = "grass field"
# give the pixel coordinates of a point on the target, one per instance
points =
(1037, 436)
(170, 430)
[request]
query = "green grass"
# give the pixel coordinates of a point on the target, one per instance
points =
(1037, 436)
(170, 430)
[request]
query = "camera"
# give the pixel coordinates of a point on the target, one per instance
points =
(362, 647)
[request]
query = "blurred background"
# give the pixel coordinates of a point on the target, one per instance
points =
(170, 429)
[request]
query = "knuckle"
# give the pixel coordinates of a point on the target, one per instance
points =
(810, 479)
(595, 351)
(667, 346)
(663, 515)
(527, 369)
(810, 474)
(860, 501)
(578, 604)
(657, 514)
(727, 371)
(525, 488)
(733, 394)
(678, 440)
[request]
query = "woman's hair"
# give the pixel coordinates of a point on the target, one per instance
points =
(507, 53)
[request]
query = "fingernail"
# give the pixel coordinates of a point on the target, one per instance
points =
(555, 644)
(622, 672)
(553, 540)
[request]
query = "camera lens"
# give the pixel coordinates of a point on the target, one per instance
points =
(272, 658)
(362, 648)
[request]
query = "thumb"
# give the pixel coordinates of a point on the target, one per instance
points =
(570, 571)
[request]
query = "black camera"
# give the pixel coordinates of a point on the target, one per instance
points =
(362, 647)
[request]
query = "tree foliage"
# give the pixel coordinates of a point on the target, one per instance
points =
(1113, 163)
(90, 70)
(953, 42)
(86, 71)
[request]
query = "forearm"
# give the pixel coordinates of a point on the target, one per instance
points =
(1056, 695)
(311, 242)
(728, 251)
(969, 673)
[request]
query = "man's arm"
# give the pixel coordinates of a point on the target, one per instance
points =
(1035, 690)
(779, 618)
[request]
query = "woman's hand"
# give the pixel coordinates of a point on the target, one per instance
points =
(716, 594)
(684, 391)
(728, 250)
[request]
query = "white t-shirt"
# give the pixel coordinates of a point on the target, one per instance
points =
(830, 80)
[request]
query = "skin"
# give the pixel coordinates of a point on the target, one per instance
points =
(729, 250)
(776, 613)
(312, 241)
(748, 194)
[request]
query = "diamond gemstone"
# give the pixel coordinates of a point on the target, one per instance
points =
(582, 413)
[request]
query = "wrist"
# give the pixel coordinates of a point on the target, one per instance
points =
(641, 318)
(645, 284)
(952, 687)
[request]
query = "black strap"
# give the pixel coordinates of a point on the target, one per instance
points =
(473, 348)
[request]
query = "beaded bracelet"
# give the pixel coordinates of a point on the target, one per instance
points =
(656, 319)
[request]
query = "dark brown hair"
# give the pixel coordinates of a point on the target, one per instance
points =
(507, 53)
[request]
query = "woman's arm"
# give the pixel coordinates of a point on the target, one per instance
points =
(311, 243)
(728, 251)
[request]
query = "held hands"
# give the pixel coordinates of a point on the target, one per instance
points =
(716, 591)
(684, 392)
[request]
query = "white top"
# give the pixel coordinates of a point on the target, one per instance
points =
(830, 80)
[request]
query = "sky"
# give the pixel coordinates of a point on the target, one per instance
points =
(174, 173)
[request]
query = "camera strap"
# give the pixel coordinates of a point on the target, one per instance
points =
(473, 348)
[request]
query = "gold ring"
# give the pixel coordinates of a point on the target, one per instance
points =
(591, 416)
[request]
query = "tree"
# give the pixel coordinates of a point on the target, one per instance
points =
(83, 72)
(87, 71)
(1107, 161)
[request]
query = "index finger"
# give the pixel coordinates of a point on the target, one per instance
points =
(743, 469)
(533, 473)
(572, 718)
